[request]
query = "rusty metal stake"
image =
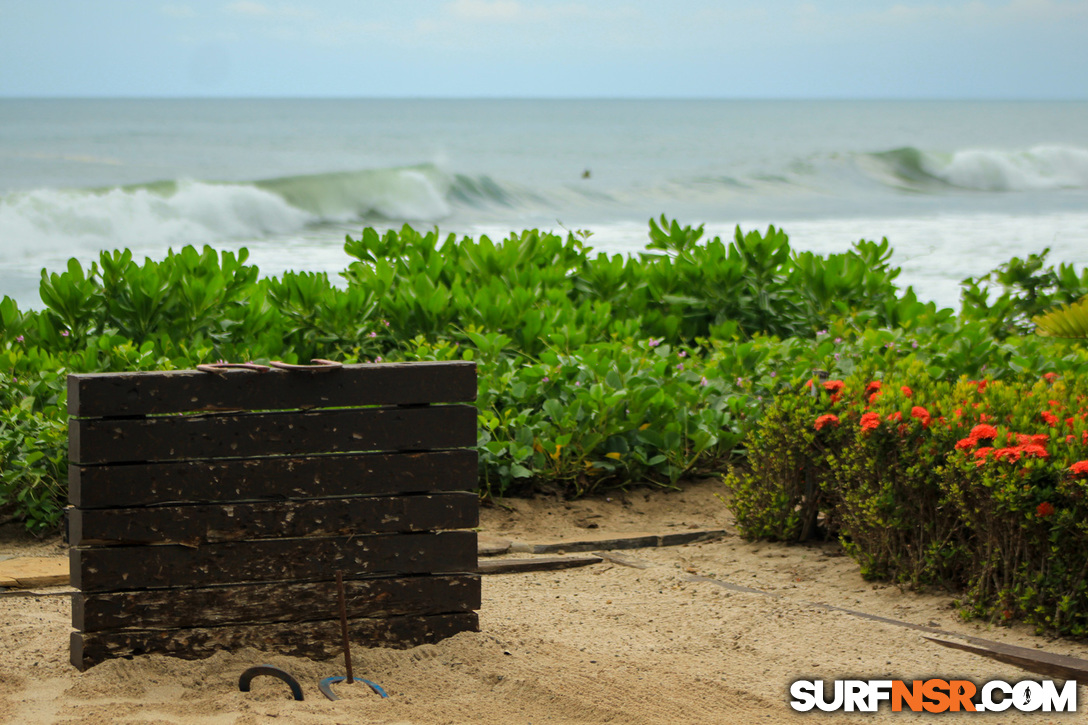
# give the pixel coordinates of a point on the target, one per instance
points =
(344, 624)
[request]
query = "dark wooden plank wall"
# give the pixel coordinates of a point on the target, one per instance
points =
(194, 531)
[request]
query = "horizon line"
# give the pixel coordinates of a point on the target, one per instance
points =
(843, 99)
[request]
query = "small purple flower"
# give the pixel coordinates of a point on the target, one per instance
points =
(378, 359)
(64, 333)
(774, 374)
(385, 322)
(19, 338)
(371, 334)
(740, 381)
(577, 383)
(838, 340)
(655, 343)
(821, 333)
(914, 344)
(836, 356)
(683, 354)
(680, 366)
(545, 379)
(703, 382)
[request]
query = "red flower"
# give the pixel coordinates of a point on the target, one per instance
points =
(835, 397)
(983, 418)
(1035, 451)
(906, 391)
(874, 397)
(873, 387)
(870, 421)
(1070, 422)
(1050, 418)
(896, 416)
(1044, 509)
(965, 443)
(808, 384)
(981, 385)
(984, 432)
(1080, 468)
(834, 386)
(921, 414)
(1012, 455)
(1050, 377)
(828, 419)
(1053, 404)
(981, 453)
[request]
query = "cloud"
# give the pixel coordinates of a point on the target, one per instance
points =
(252, 9)
(512, 23)
(177, 11)
(513, 11)
(1013, 12)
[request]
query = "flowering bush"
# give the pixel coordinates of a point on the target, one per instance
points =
(979, 485)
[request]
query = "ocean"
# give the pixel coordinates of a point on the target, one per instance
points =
(956, 187)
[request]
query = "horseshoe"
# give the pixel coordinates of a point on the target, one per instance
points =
(328, 682)
(248, 675)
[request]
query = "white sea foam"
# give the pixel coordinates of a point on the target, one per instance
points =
(46, 221)
(1037, 168)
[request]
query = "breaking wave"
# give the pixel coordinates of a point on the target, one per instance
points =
(1039, 168)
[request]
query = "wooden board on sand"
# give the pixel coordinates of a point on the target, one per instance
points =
(28, 572)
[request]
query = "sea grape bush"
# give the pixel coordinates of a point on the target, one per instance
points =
(981, 485)
(595, 371)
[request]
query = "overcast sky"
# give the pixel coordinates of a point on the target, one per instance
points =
(544, 48)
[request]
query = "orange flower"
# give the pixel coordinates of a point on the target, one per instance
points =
(828, 419)
(1044, 509)
(1080, 468)
(873, 387)
(896, 416)
(874, 397)
(921, 414)
(1050, 377)
(984, 432)
(1035, 451)
(835, 397)
(906, 391)
(834, 386)
(965, 443)
(870, 421)
(1050, 418)
(981, 453)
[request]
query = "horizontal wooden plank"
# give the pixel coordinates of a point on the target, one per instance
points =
(27, 572)
(627, 541)
(313, 640)
(540, 563)
(282, 477)
(1049, 664)
(204, 523)
(119, 568)
(172, 438)
(276, 602)
(180, 391)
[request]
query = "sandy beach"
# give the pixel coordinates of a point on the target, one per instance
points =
(658, 635)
